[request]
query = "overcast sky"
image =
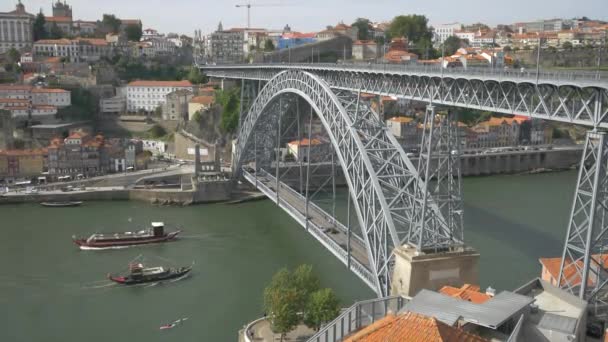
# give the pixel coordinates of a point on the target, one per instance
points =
(183, 16)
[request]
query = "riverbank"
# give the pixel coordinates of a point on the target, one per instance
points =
(204, 192)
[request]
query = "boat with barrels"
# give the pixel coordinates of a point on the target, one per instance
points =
(139, 274)
(155, 234)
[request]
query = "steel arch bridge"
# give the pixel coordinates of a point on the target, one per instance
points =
(404, 204)
(387, 193)
(579, 98)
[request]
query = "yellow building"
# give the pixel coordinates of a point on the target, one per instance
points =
(199, 103)
(22, 163)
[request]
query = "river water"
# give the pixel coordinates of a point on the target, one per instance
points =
(51, 291)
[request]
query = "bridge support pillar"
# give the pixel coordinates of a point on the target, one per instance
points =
(415, 270)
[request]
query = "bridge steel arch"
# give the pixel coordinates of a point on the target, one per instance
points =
(382, 181)
(557, 97)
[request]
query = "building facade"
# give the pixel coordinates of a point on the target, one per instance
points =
(148, 95)
(22, 163)
(175, 107)
(227, 46)
(199, 103)
(16, 29)
(443, 31)
(113, 105)
(77, 154)
(365, 49)
(74, 50)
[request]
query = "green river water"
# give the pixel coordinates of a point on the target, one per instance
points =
(51, 291)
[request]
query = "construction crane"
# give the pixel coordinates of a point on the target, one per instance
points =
(249, 5)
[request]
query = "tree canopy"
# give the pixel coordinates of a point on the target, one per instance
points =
(323, 306)
(111, 23)
(133, 32)
(362, 24)
(195, 76)
(295, 297)
(451, 44)
(414, 27)
(56, 32)
(230, 102)
(39, 29)
(13, 55)
(268, 45)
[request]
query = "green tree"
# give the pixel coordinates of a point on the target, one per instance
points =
(157, 131)
(13, 56)
(111, 23)
(268, 45)
(197, 116)
(322, 307)
(281, 300)
(567, 46)
(414, 27)
(229, 100)
(506, 49)
(158, 111)
(195, 76)
(306, 282)
(133, 32)
(39, 29)
(363, 25)
(451, 44)
(56, 32)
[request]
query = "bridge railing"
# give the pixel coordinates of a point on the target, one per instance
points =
(357, 316)
(544, 76)
(335, 248)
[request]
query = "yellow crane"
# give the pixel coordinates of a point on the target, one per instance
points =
(248, 5)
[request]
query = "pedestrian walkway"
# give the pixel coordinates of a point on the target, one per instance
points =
(261, 332)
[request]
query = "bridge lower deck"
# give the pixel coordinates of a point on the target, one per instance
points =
(332, 234)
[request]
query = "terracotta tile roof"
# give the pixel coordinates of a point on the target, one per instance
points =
(76, 135)
(49, 90)
(61, 41)
(160, 84)
(398, 56)
(401, 119)
(467, 292)
(14, 101)
(365, 42)
(44, 107)
(9, 87)
(58, 19)
(17, 153)
(306, 142)
(411, 327)
(553, 265)
(204, 100)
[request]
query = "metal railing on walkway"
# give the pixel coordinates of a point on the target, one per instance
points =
(359, 315)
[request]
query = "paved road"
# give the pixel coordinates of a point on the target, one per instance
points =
(333, 229)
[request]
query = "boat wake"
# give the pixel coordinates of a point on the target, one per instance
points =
(85, 248)
(151, 285)
(180, 278)
(100, 286)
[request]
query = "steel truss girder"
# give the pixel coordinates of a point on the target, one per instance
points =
(382, 181)
(583, 104)
(582, 270)
(439, 164)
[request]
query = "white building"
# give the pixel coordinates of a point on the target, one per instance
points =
(51, 97)
(116, 104)
(155, 146)
(465, 35)
(443, 31)
(74, 50)
(16, 29)
(299, 149)
(150, 34)
(148, 95)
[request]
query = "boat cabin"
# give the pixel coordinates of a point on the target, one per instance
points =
(158, 228)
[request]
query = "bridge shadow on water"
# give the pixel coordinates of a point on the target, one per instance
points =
(509, 249)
